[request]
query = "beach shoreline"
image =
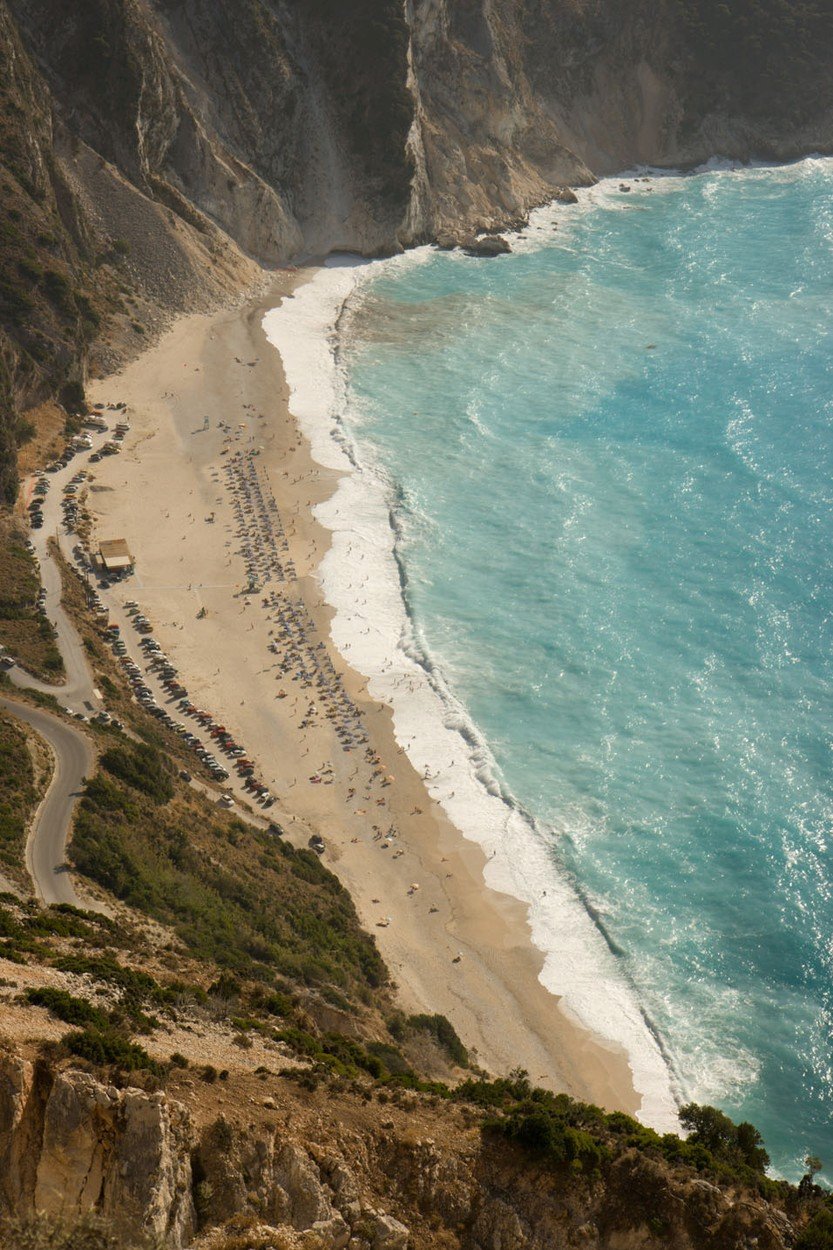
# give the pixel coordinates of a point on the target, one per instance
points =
(204, 372)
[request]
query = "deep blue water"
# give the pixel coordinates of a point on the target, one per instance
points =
(615, 451)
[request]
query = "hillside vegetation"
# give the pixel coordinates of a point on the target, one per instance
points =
(18, 794)
(25, 631)
(247, 901)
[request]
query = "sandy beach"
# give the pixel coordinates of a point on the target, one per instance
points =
(214, 460)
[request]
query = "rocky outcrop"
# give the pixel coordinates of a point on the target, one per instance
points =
(308, 126)
(72, 1144)
(350, 1178)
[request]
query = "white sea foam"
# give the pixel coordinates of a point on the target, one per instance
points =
(362, 579)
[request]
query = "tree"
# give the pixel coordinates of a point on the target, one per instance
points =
(736, 1143)
(813, 1164)
(708, 1127)
(751, 1146)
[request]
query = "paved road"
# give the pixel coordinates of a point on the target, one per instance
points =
(46, 845)
(78, 691)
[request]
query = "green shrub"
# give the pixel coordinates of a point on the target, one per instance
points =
(276, 1004)
(499, 1093)
(143, 768)
(818, 1235)
(107, 1047)
(736, 1143)
(136, 989)
(67, 1008)
(542, 1131)
(443, 1031)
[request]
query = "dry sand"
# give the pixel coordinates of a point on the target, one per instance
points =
(157, 494)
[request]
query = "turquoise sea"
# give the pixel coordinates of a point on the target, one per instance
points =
(609, 464)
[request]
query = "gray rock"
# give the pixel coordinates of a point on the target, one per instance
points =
(389, 1234)
(487, 245)
(334, 1233)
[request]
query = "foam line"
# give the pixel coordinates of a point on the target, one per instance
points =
(364, 580)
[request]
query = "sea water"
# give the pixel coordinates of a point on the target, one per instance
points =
(583, 546)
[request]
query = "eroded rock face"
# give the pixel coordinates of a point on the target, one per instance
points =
(310, 125)
(21, 1099)
(311, 1196)
(70, 1143)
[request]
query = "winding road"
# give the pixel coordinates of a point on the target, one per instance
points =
(46, 844)
(78, 690)
(72, 751)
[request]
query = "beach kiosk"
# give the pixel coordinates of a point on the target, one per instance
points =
(114, 558)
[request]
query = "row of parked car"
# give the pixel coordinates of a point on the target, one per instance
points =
(36, 503)
(169, 678)
(160, 664)
(145, 696)
(69, 503)
(113, 445)
(80, 442)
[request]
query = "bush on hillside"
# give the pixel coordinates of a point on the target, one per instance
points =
(107, 1047)
(68, 1008)
(444, 1033)
(818, 1235)
(142, 767)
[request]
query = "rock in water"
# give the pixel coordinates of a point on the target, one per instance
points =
(564, 195)
(488, 245)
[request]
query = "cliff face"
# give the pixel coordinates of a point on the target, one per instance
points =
(308, 1173)
(154, 152)
(305, 125)
(284, 123)
(72, 1144)
(39, 318)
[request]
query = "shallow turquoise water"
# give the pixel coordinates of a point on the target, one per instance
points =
(613, 453)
